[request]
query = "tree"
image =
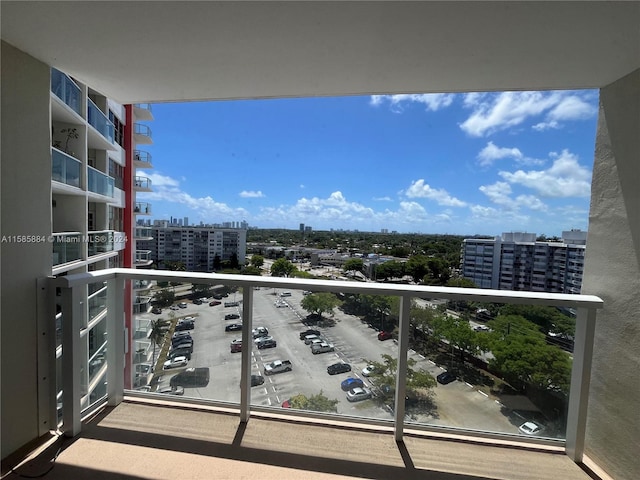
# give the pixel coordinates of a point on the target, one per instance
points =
(257, 261)
(417, 266)
(353, 265)
(319, 303)
(159, 329)
(316, 403)
(388, 270)
(199, 290)
(282, 268)
(217, 263)
(385, 373)
(164, 298)
(233, 261)
(251, 270)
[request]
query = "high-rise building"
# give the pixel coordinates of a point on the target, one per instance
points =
(516, 261)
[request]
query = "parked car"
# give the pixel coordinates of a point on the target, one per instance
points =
(260, 332)
(309, 338)
(191, 377)
(184, 326)
(446, 377)
(181, 352)
(384, 336)
(350, 383)
(175, 362)
(530, 428)
(231, 316)
(177, 390)
(156, 310)
(285, 294)
(231, 304)
(185, 344)
(358, 394)
(280, 304)
(213, 303)
(197, 301)
(265, 342)
(322, 347)
(174, 307)
(179, 334)
(236, 346)
(256, 380)
(286, 403)
(339, 367)
(234, 327)
(308, 332)
(181, 337)
(368, 370)
(182, 305)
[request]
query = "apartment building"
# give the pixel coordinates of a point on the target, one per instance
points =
(293, 50)
(197, 248)
(516, 261)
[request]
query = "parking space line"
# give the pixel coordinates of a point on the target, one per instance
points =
(482, 393)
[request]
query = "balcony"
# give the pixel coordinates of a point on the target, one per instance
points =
(142, 184)
(143, 111)
(400, 424)
(67, 247)
(144, 233)
(65, 169)
(99, 121)
(142, 208)
(100, 183)
(142, 134)
(142, 284)
(143, 258)
(66, 90)
(142, 159)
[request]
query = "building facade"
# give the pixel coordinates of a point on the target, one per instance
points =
(516, 261)
(195, 247)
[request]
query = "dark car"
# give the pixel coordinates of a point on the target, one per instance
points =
(197, 301)
(181, 352)
(266, 342)
(446, 377)
(231, 316)
(256, 380)
(191, 377)
(214, 303)
(308, 332)
(339, 367)
(231, 304)
(384, 336)
(183, 326)
(181, 337)
(234, 327)
(350, 383)
(156, 310)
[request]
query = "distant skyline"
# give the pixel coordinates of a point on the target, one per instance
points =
(463, 164)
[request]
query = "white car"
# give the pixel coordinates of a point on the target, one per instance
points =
(530, 428)
(368, 370)
(321, 347)
(175, 362)
(359, 393)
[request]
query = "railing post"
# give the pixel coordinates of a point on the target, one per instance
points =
(580, 379)
(247, 344)
(47, 415)
(72, 321)
(403, 359)
(115, 339)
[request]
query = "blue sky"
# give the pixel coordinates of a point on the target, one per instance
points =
(476, 163)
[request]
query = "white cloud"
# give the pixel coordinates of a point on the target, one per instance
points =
(565, 178)
(500, 194)
(494, 112)
(432, 101)
(491, 152)
(419, 189)
(158, 180)
(251, 194)
(382, 199)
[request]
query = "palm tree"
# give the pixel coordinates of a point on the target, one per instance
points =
(159, 329)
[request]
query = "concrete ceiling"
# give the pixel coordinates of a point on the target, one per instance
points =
(175, 51)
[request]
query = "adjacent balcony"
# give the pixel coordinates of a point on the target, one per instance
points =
(100, 122)
(142, 285)
(142, 184)
(105, 241)
(143, 111)
(65, 169)
(463, 408)
(66, 90)
(142, 159)
(144, 233)
(100, 183)
(142, 208)
(142, 134)
(143, 258)
(67, 247)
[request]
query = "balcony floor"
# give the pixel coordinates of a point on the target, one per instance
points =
(142, 440)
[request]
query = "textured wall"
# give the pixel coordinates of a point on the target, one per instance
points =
(612, 271)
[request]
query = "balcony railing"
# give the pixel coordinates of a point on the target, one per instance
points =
(65, 168)
(142, 129)
(100, 183)
(98, 120)
(142, 159)
(104, 241)
(67, 247)
(144, 233)
(66, 90)
(259, 298)
(142, 183)
(142, 208)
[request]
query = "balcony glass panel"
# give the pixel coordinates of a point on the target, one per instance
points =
(141, 129)
(67, 247)
(97, 303)
(142, 182)
(144, 106)
(65, 168)
(97, 360)
(142, 156)
(142, 208)
(98, 120)
(66, 90)
(98, 182)
(100, 242)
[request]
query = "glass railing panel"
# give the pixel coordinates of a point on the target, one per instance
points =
(98, 120)
(101, 241)
(143, 106)
(66, 90)
(65, 168)
(142, 182)
(67, 247)
(97, 359)
(97, 303)
(141, 129)
(142, 208)
(142, 156)
(98, 182)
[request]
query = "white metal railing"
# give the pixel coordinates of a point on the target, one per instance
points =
(72, 286)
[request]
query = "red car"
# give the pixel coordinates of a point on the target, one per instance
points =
(214, 303)
(384, 336)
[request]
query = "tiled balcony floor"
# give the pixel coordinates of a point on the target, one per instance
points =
(139, 440)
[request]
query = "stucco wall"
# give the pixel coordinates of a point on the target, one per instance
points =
(26, 210)
(612, 271)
